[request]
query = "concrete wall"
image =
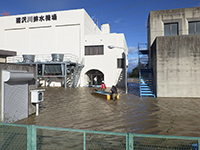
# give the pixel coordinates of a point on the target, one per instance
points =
(157, 19)
(153, 63)
(176, 66)
(182, 16)
(28, 68)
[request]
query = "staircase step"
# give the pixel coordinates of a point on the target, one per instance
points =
(145, 85)
(146, 88)
(146, 92)
(148, 95)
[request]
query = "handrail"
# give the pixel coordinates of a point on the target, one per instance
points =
(42, 58)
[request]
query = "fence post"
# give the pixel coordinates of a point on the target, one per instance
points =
(198, 144)
(130, 138)
(129, 141)
(84, 141)
(31, 137)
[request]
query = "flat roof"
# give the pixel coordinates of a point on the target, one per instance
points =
(6, 53)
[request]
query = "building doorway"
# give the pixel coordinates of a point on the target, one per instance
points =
(91, 74)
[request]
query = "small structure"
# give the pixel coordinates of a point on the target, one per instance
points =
(60, 69)
(6, 53)
(15, 95)
(37, 96)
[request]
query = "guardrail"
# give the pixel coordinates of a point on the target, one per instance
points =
(31, 137)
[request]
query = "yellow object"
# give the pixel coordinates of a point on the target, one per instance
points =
(109, 96)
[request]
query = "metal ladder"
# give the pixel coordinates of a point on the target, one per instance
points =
(145, 73)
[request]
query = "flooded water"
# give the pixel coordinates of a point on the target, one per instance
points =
(79, 109)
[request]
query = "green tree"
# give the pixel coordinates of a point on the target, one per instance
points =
(135, 73)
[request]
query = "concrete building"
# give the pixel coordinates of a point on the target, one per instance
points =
(68, 32)
(174, 51)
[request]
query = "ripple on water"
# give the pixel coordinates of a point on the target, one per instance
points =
(79, 109)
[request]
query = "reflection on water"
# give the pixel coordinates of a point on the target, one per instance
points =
(79, 109)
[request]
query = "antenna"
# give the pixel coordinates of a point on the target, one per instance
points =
(95, 20)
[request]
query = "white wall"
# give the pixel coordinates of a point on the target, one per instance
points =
(106, 63)
(70, 33)
(90, 28)
(62, 35)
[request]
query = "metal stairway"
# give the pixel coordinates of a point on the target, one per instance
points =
(145, 73)
(76, 75)
(146, 83)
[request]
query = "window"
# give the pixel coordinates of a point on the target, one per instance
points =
(171, 29)
(194, 27)
(120, 63)
(94, 50)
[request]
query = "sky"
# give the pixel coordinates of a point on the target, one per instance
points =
(124, 16)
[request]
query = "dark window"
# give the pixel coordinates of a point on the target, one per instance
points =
(171, 29)
(120, 63)
(94, 50)
(194, 27)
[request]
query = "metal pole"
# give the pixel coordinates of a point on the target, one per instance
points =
(125, 73)
(37, 109)
(125, 69)
(36, 74)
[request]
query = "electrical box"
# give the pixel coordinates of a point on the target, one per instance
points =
(37, 95)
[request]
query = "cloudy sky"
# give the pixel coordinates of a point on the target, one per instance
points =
(124, 16)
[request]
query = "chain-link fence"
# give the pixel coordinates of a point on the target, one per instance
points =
(31, 137)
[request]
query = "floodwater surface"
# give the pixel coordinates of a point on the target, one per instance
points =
(79, 109)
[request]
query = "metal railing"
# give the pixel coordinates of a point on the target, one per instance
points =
(31, 137)
(43, 58)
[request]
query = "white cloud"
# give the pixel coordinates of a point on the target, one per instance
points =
(132, 50)
(132, 63)
(118, 20)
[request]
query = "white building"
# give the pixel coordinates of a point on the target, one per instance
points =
(71, 31)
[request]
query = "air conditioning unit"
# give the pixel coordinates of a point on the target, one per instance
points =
(37, 95)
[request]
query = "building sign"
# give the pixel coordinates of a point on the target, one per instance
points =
(41, 18)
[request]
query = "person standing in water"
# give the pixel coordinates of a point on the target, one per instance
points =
(103, 86)
(95, 80)
(113, 92)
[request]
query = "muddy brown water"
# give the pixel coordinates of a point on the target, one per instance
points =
(79, 109)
